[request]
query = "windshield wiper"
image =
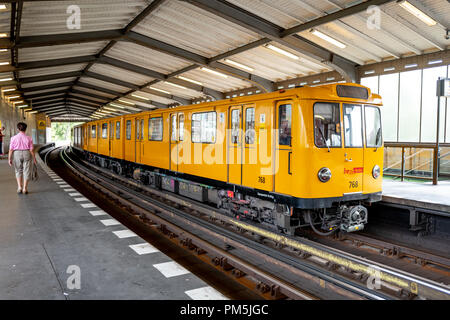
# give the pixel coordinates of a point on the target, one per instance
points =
(323, 137)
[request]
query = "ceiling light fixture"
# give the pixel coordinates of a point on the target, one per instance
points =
(140, 97)
(214, 72)
(9, 89)
(3, 50)
(239, 65)
(6, 79)
(175, 85)
(190, 80)
(4, 63)
(116, 105)
(281, 51)
(328, 39)
(2, 6)
(13, 97)
(160, 90)
(127, 102)
(3, 35)
(418, 13)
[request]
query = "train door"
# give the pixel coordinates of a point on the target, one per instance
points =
(139, 146)
(283, 146)
(130, 136)
(111, 138)
(173, 142)
(353, 158)
(235, 142)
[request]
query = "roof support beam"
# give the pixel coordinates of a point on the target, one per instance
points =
(45, 99)
(93, 102)
(48, 106)
(92, 95)
(54, 62)
(111, 80)
(82, 105)
(44, 103)
(51, 77)
(273, 32)
(49, 86)
(195, 58)
(45, 94)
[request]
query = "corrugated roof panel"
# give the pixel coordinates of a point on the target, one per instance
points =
(177, 91)
(44, 91)
(88, 97)
(5, 19)
(216, 82)
(44, 83)
(51, 70)
(60, 51)
(120, 74)
(152, 97)
(275, 66)
(146, 58)
(193, 29)
(51, 17)
(100, 93)
(104, 84)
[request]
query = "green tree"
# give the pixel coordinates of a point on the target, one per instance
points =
(61, 130)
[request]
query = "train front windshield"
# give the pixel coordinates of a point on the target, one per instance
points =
(327, 124)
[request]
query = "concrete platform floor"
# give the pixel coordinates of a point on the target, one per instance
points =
(56, 244)
(424, 195)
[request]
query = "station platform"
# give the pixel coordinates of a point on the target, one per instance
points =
(422, 196)
(55, 244)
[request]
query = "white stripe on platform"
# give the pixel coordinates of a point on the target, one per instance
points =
(125, 234)
(81, 199)
(205, 293)
(110, 222)
(143, 248)
(88, 205)
(64, 186)
(58, 179)
(97, 213)
(69, 190)
(61, 182)
(171, 269)
(75, 194)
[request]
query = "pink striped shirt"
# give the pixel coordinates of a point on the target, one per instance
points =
(21, 142)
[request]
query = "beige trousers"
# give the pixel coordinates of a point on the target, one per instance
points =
(22, 163)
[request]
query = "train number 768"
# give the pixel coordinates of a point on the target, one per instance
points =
(353, 184)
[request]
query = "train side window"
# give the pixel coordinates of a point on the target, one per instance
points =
(181, 126)
(104, 130)
(138, 131)
(173, 127)
(374, 137)
(250, 125)
(155, 129)
(285, 124)
(128, 129)
(118, 130)
(353, 126)
(203, 128)
(235, 125)
(142, 128)
(327, 125)
(93, 131)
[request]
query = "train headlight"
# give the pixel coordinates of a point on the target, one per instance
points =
(324, 174)
(376, 171)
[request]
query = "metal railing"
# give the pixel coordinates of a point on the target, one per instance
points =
(433, 163)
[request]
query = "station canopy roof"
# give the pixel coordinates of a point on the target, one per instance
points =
(103, 58)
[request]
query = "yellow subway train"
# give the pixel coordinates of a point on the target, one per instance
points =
(300, 157)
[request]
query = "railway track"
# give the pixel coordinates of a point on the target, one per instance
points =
(282, 266)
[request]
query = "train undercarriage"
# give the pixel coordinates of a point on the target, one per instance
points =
(274, 214)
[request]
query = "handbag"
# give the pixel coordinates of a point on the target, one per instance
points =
(34, 172)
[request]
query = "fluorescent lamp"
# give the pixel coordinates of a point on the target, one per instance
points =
(4, 63)
(3, 50)
(27, 109)
(239, 65)
(418, 13)
(2, 6)
(283, 52)
(175, 85)
(160, 90)
(140, 97)
(3, 35)
(190, 80)
(328, 38)
(214, 72)
(13, 97)
(18, 101)
(116, 105)
(10, 89)
(23, 106)
(6, 79)
(33, 112)
(127, 102)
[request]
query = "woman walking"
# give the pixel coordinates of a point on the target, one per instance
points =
(21, 155)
